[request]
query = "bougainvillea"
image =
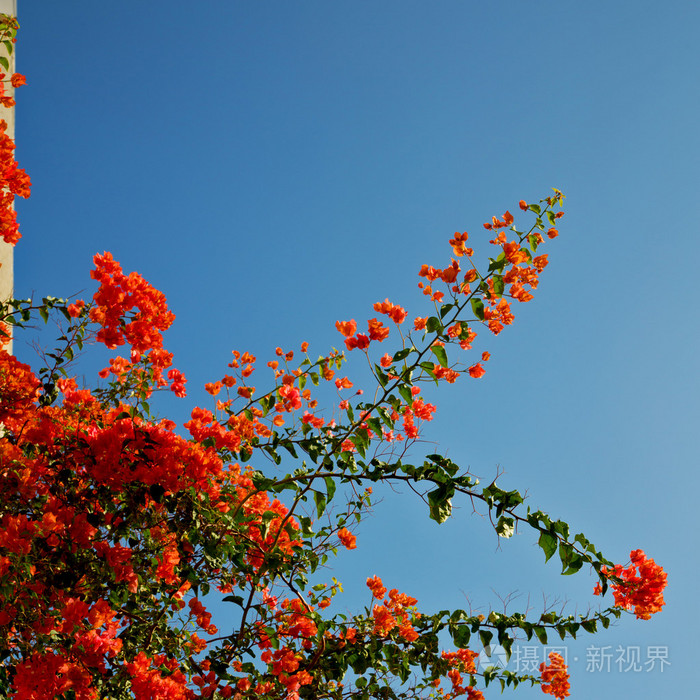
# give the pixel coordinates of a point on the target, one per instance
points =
(115, 525)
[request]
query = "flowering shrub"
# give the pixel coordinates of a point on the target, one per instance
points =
(114, 526)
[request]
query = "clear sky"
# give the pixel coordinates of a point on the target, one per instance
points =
(275, 166)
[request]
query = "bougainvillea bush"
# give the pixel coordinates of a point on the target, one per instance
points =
(117, 524)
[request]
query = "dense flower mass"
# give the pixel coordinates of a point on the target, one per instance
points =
(555, 677)
(114, 525)
(639, 586)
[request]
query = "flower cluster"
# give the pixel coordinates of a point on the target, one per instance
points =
(114, 526)
(397, 611)
(639, 586)
(555, 677)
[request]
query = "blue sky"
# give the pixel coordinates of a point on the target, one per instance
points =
(274, 167)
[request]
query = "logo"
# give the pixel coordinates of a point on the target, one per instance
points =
(493, 655)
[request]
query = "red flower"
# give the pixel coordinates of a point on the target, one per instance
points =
(555, 678)
(477, 371)
(375, 585)
(347, 538)
(347, 328)
(641, 586)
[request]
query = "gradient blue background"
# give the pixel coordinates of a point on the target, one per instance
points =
(276, 166)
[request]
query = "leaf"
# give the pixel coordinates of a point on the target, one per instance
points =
(440, 502)
(433, 325)
(382, 378)
(376, 426)
(460, 636)
(589, 625)
(440, 353)
(4, 63)
(548, 543)
(445, 309)
(541, 634)
(406, 394)
(498, 285)
(478, 308)
(361, 441)
(574, 564)
(320, 500)
(238, 600)
(485, 637)
(385, 416)
(402, 354)
(505, 527)
(330, 487)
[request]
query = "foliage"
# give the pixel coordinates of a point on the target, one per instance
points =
(115, 526)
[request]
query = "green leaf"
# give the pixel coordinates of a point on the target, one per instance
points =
(589, 625)
(535, 207)
(330, 487)
(320, 499)
(548, 543)
(382, 378)
(386, 417)
(505, 527)
(376, 426)
(485, 637)
(433, 325)
(574, 564)
(406, 394)
(440, 353)
(498, 285)
(363, 440)
(478, 308)
(4, 63)
(238, 600)
(541, 634)
(498, 264)
(402, 354)
(445, 309)
(440, 502)
(460, 636)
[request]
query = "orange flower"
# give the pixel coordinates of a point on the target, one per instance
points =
(457, 243)
(377, 330)
(18, 79)
(477, 371)
(555, 678)
(375, 585)
(347, 538)
(641, 587)
(76, 309)
(347, 328)
(522, 204)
